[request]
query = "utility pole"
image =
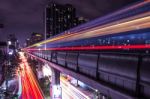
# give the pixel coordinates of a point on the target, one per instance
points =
(45, 27)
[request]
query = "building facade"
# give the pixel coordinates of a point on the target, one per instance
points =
(35, 38)
(59, 18)
(12, 42)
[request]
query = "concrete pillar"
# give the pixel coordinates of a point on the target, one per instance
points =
(55, 77)
(55, 89)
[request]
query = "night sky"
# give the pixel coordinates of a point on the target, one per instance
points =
(22, 17)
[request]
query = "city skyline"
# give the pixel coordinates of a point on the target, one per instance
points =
(69, 49)
(22, 18)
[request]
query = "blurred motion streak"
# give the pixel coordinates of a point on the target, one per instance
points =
(71, 92)
(30, 87)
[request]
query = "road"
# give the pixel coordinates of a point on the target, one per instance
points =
(29, 84)
(31, 90)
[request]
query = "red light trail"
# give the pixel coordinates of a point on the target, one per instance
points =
(111, 47)
(30, 87)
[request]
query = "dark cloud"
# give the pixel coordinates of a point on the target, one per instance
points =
(22, 17)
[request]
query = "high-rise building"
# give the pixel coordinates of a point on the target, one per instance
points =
(69, 16)
(28, 42)
(54, 19)
(81, 20)
(13, 41)
(59, 18)
(35, 37)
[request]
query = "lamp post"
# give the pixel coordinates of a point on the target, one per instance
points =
(45, 29)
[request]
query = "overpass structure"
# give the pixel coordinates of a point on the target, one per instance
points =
(110, 53)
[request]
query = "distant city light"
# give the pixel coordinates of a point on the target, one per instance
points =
(10, 53)
(38, 35)
(9, 43)
(39, 45)
(46, 70)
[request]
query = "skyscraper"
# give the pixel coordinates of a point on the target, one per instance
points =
(54, 19)
(59, 18)
(35, 37)
(13, 42)
(69, 16)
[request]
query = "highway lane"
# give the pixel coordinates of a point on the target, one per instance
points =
(30, 87)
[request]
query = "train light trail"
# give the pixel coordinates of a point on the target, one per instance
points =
(122, 26)
(114, 47)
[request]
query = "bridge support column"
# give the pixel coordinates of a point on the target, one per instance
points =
(56, 91)
(55, 77)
